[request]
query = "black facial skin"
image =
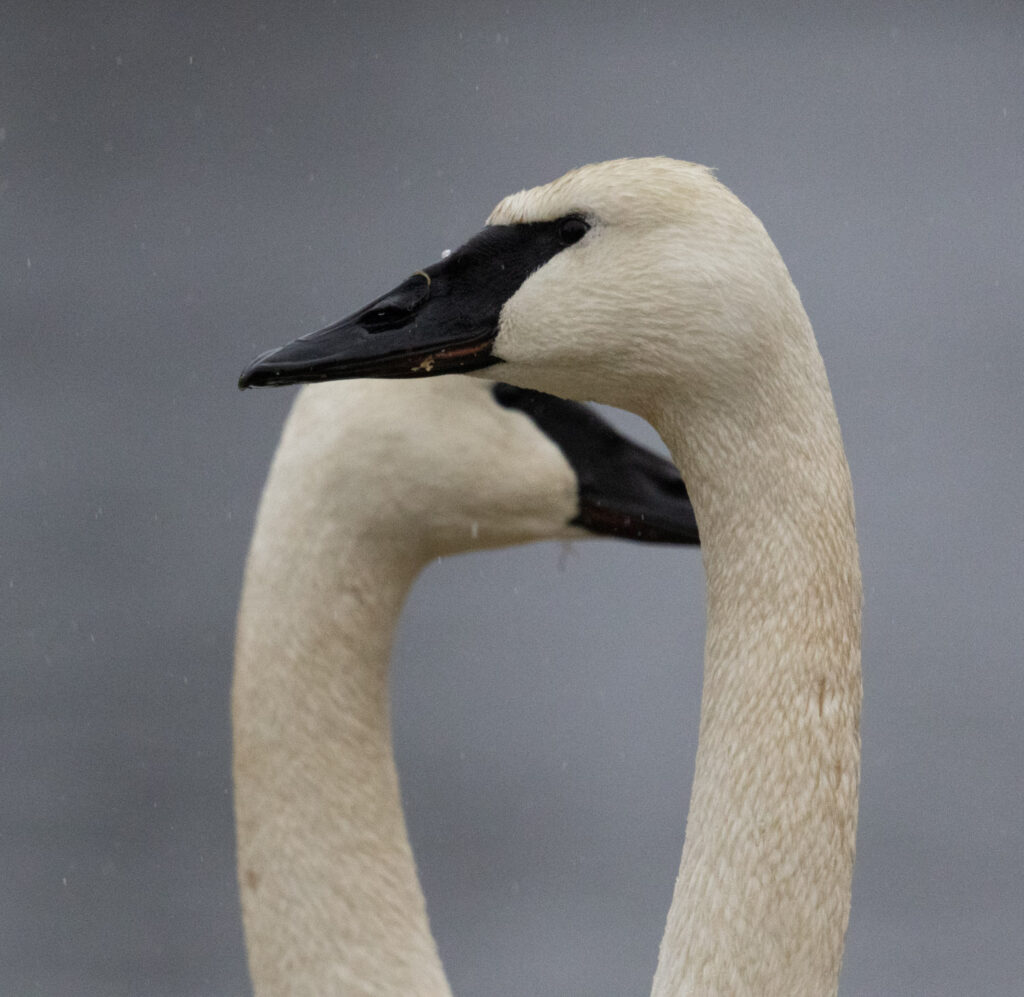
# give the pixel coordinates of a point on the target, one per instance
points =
(441, 320)
(624, 489)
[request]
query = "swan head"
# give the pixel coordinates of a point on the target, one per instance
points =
(615, 282)
(453, 464)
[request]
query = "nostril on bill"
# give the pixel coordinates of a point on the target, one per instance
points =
(397, 308)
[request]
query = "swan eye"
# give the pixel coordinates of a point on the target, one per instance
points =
(572, 229)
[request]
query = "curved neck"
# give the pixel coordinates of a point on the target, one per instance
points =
(330, 896)
(762, 899)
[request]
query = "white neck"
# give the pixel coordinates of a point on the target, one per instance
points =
(762, 899)
(330, 896)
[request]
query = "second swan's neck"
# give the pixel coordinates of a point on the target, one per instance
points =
(330, 895)
(762, 899)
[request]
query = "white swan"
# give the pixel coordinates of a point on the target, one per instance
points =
(647, 284)
(370, 482)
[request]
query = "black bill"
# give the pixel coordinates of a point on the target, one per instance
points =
(441, 320)
(624, 489)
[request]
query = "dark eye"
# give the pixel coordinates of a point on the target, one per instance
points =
(572, 229)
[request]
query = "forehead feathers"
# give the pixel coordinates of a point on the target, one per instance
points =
(620, 190)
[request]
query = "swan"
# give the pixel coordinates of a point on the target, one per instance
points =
(647, 284)
(370, 482)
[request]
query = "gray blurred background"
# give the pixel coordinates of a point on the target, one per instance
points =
(182, 185)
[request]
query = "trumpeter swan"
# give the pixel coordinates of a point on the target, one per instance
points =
(370, 482)
(647, 284)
